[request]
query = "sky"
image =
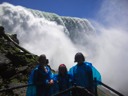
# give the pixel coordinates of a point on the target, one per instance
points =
(73, 8)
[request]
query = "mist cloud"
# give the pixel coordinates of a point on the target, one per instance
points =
(38, 35)
(114, 13)
(112, 33)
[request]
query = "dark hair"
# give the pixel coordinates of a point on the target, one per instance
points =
(79, 55)
(42, 57)
(60, 68)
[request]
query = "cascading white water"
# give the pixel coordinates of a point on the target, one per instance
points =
(40, 34)
(61, 37)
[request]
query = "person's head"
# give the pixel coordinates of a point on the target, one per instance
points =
(62, 70)
(42, 59)
(79, 58)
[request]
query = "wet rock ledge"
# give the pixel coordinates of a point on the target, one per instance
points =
(15, 64)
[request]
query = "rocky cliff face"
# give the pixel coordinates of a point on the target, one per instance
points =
(15, 65)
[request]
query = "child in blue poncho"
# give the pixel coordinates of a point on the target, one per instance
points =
(41, 79)
(63, 80)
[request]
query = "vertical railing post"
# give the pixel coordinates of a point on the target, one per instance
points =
(95, 87)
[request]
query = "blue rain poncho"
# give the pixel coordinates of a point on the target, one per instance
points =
(40, 82)
(62, 83)
(84, 74)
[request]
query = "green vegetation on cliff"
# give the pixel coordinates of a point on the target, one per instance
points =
(15, 64)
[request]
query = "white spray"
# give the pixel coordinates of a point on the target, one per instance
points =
(112, 44)
(39, 35)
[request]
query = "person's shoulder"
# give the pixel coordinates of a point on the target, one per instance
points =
(72, 69)
(47, 67)
(88, 64)
(74, 66)
(35, 69)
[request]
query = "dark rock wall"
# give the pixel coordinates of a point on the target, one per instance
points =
(15, 65)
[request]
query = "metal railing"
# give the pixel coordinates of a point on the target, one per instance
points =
(15, 87)
(75, 88)
(106, 86)
(71, 89)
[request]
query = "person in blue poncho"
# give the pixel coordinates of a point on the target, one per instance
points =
(63, 80)
(83, 74)
(40, 78)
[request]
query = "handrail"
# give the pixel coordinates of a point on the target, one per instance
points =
(118, 93)
(72, 88)
(69, 89)
(16, 87)
(57, 94)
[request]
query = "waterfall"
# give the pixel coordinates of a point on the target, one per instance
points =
(60, 37)
(41, 32)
